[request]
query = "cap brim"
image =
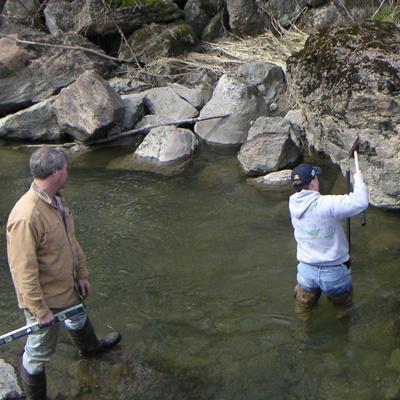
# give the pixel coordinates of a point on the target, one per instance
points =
(317, 170)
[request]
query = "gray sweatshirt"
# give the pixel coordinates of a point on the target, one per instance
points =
(318, 229)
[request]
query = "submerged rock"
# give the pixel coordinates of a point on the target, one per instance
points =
(346, 82)
(275, 181)
(165, 150)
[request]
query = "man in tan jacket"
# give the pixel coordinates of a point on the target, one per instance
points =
(48, 268)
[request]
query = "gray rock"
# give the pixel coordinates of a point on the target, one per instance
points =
(315, 3)
(9, 387)
(127, 85)
(269, 78)
(361, 79)
(244, 104)
(59, 16)
(21, 9)
(154, 41)
(29, 76)
(337, 13)
(36, 123)
(296, 129)
(152, 119)
(197, 96)
(134, 109)
(268, 152)
(89, 108)
(245, 18)
(165, 150)
(94, 19)
(196, 16)
(215, 28)
(286, 11)
(167, 144)
(165, 102)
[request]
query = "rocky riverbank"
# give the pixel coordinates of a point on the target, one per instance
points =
(158, 77)
(89, 71)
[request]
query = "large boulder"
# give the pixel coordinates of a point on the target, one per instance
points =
(155, 40)
(93, 18)
(244, 104)
(89, 108)
(346, 82)
(268, 147)
(338, 13)
(59, 16)
(9, 387)
(21, 9)
(36, 123)
(245, 17)
(164, 101)
(269, 78)
(32, 74)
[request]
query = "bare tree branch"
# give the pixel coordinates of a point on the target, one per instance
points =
(146, 128)
(73, 48)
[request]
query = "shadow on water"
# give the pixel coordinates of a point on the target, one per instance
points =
(197, 272)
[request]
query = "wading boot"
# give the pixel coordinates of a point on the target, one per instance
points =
(34, 386)
(88, 343)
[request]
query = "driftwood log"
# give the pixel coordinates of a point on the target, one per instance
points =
(146, 128)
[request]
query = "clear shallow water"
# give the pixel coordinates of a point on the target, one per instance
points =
(197, 273)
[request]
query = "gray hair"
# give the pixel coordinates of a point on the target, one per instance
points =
(46, 160)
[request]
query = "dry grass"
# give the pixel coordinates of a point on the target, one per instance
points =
(226, 55)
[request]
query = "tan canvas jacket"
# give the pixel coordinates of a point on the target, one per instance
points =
(45, 258)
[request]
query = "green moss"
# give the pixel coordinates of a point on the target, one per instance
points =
(336, 56)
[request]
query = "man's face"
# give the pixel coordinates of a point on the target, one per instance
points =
(60, 177)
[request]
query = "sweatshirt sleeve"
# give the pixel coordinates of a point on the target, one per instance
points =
(21, 248)
(348, 205)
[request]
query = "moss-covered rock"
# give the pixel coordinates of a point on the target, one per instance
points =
(347, 81)
(155, 40)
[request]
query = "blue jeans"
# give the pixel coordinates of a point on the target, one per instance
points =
(333, 281)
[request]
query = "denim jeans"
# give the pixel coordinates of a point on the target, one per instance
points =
(333, 281)
(42, 344)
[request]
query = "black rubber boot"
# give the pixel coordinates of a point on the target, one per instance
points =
(88, 343)
(34, 386)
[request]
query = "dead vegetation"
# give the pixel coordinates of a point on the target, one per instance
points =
(225, 55)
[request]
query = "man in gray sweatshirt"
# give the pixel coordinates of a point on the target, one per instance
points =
(322, 248)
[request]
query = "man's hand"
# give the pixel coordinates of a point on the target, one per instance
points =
(359, 174)
(84, 287)
(47, 320)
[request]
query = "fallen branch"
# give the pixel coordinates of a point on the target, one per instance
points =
(75, 48)
(146, 128)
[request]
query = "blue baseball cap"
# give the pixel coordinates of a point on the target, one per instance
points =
(303, 174)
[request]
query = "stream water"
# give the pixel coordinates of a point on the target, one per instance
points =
(197, 272)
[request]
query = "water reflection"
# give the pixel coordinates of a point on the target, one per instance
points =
(197, 272)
